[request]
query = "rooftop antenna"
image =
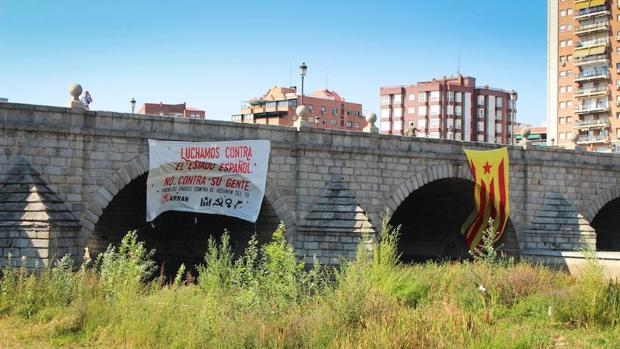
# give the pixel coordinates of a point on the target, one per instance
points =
(290, 73)
(327, 78)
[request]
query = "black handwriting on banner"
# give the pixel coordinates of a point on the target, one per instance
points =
(220, 201)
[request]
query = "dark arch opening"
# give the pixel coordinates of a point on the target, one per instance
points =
(431, 219)
(606, 223)
(177, 237)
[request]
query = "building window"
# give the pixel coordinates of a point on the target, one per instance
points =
(457, 124)
(562, 105)
(480, 113)
(569, 104)
(562, 121)
(480, 125)
(385, 113)
(310, 107)
(499, 102)
(421, 124)
(349, 124)
(323, 109)
(422, 97)
(562, 28)
(398, 99)
(562, 43)
(450, 109)
(562, 89)
(569, 12)
(569, 42)
(434, 135)
(385, 100)
(562, 14)
(458, 110)
(569, 88)
(317, 120)
(480, 100)
(422, 110)
(433, 123)
(434, 111)
(480, 138)
(334, 122)
(450, 96)
(569, 119)
(412, 97)
(458, 97)
(498, 128)
(334, 111)
(499, 115)
(411, 110)
(398, 112)
(435, 96)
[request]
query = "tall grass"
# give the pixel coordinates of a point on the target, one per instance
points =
(266, 298)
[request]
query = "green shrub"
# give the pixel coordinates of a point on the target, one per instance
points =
(126, 267)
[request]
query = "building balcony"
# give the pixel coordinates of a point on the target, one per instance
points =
(592, 43)
(593, 91)
(592, 59)
(594, 123)
(592, 28)
(591, 12)
(592, 108)
(590, 139)
(592, 75)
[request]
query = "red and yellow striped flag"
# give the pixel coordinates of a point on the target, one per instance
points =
(489, 170)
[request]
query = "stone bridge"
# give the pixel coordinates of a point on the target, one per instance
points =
(71, 179)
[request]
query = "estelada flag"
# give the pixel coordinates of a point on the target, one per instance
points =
(489, 169)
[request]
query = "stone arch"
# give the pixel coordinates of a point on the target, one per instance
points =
(602, 215)
(139, 166)
(434, 173)
(595, 205)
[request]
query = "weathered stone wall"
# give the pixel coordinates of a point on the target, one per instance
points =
(87, 157)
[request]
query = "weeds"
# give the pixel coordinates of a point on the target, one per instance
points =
(266, 298)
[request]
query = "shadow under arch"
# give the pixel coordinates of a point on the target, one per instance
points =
(606, 224)
(431, 218)
(109, 202)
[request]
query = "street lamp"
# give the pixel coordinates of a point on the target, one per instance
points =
(302, 71)
(133, 104)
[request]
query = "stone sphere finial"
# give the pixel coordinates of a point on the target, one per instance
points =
(75, 90)
(371, 118)
(526, 132)
(574, 136)
(302, 111)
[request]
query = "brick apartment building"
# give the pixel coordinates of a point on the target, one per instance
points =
(176, 110)
(583, 73)
(327, 109)
(450, 108)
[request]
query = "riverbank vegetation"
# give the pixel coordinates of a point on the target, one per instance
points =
(266, 299)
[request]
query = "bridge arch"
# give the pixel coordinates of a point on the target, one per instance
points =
(136, 170)
(445, 181)
(604, 217)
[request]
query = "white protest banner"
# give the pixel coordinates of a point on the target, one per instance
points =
(226, 178)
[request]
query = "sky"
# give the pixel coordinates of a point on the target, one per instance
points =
(216, 54)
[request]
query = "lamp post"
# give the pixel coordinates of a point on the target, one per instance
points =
(133, 104)
(302, 71)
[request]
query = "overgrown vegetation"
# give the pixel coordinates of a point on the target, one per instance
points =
(266, 298)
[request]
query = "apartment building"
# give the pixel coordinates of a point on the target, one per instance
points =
(175, 110)
(328, 109)
(583, 73)
(450, 108)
